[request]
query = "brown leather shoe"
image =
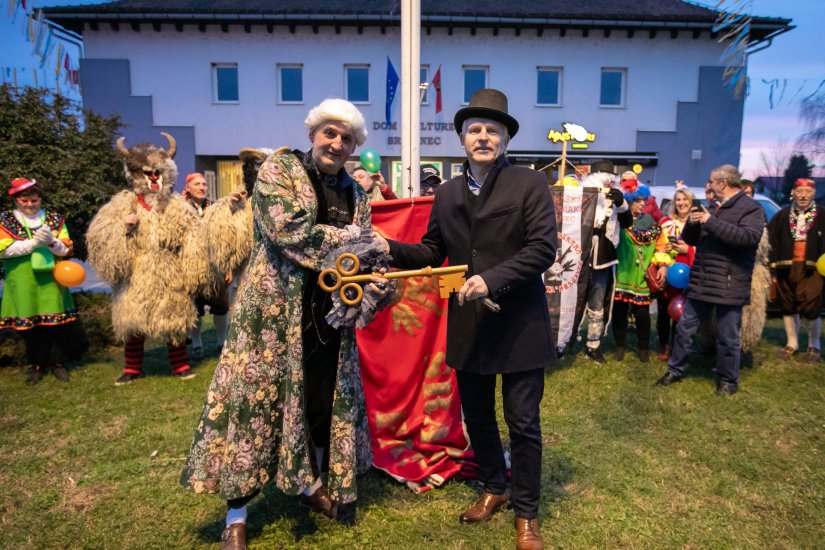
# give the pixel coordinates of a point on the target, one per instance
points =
(528, 534)
(484, 508)
(813, 356)
(320, 502)
(234, 537)
(785, 353)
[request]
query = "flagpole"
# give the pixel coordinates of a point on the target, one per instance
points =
(410, 106)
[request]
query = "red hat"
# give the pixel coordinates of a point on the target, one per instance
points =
(193, 175)
(804, 182)
(21, 184)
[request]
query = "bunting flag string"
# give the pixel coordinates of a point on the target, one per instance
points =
(733, 23)
(47, 46)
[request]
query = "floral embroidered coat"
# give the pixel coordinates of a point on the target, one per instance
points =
(253, 426)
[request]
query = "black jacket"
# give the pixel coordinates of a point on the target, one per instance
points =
(725, 251)
(507, 235)
(779, 234)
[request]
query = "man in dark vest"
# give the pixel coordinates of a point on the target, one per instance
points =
(499, 219)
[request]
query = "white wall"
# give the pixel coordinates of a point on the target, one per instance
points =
(175, 69)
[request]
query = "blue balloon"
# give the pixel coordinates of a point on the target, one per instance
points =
(678, 275)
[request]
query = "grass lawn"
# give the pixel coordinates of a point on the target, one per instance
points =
(626, 465)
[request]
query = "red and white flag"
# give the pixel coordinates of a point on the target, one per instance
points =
(437, 86)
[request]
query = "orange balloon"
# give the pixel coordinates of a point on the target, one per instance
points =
(69, 274)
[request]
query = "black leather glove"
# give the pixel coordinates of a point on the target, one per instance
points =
(616, 196)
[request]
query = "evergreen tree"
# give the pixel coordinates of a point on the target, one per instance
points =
(68, 151)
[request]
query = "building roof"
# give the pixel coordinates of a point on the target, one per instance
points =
(607, 14)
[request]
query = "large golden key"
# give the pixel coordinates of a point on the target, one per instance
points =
(346, 280)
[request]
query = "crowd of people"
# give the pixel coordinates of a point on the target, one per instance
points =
(286, 405)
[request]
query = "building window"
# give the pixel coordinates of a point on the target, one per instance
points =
(225, 82)
(425, 96)
(613, 86)
(358, 83)
(475, 79)
(291, 83)
(548, 86)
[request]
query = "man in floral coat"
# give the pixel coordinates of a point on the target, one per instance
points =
(286, 399)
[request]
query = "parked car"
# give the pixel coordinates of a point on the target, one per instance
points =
(664, 194)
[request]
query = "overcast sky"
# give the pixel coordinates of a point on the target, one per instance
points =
(795, 60)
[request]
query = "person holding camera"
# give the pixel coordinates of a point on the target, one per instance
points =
(726, 238)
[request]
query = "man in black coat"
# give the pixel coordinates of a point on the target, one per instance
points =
(726, 239)
(499, 219)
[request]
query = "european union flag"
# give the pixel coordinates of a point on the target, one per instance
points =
(392, 86)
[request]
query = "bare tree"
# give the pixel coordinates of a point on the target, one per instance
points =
(774, 163)
(812, 113)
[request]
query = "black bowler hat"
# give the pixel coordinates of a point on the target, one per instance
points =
(487, 103)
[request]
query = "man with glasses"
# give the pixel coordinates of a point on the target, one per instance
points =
(726, 238)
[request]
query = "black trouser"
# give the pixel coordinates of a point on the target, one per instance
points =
(663, 321)
(521, 394)
(320, 374)
(46, 345)
(642, 316)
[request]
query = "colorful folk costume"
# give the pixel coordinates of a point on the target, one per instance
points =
(34, 304)
(286, 401)
(797, 236)
(146, 244)
(612, 217)
(640, 245)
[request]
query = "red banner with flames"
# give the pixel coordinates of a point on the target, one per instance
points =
(412, 397)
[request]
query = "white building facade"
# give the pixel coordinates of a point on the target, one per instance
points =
(649, 89)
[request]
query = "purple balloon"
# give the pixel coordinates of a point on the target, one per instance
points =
(675, 307)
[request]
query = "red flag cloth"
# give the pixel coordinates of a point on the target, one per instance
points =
(411, 394)
(437, 86)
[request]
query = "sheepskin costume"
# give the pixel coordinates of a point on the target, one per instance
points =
(155, 266)
(754, 314)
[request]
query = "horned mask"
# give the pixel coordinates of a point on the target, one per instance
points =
(150, 169)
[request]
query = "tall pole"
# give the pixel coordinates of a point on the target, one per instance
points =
(410, 104)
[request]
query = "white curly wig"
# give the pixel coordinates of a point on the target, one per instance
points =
(339, 110)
